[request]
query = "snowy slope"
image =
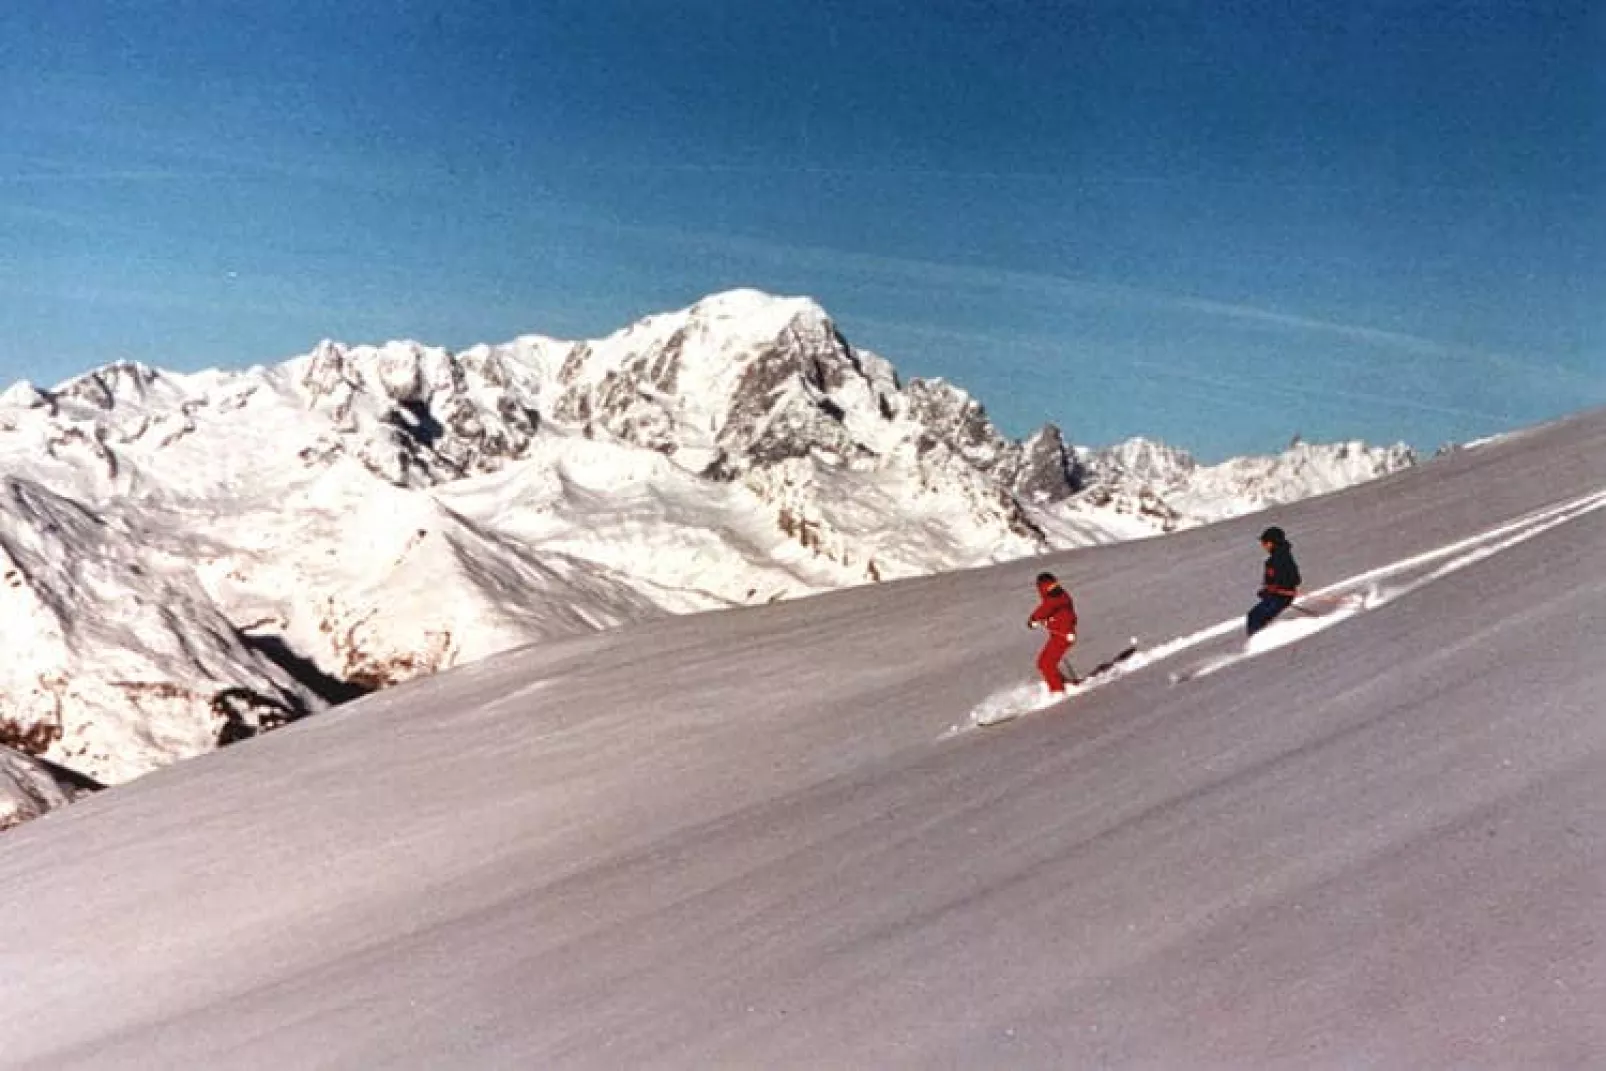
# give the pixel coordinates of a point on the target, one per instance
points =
(364, 515)
(28, 789)
(167, 666)
(769, 837)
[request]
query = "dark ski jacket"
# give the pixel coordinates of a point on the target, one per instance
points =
(1056, 611)
(1282, 574)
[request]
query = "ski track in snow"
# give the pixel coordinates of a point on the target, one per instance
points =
(1364, 591)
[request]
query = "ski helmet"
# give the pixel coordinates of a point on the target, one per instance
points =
(1047, 578)
(1274, 536)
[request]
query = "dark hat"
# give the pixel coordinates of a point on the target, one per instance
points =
(1274, 536)
(1047, 578)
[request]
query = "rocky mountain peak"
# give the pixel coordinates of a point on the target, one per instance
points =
(23, 395)
(738, 379)
(1046, 469)
(420, 414)
(118, 382)
(1143, 460)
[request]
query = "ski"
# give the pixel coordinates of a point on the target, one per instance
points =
(1105, 666)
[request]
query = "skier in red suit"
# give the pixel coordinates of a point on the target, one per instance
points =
(1057, 614)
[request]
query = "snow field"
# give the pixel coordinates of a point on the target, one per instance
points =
(734, 840)
(1339, 602)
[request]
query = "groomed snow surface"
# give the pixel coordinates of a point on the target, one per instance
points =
(772, 837)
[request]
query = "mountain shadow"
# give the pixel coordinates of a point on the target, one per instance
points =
(73, 782)
(332, 690)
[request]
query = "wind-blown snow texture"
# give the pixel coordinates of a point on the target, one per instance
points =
(754, 839)
(186, 557)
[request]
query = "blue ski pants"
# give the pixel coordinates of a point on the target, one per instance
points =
(1267, 608)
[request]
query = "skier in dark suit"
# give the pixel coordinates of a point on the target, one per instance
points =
(1279, 584)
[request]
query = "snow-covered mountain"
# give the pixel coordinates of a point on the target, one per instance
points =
(1167, 485)
(188, 558)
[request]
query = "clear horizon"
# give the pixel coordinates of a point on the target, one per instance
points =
(1217, 229)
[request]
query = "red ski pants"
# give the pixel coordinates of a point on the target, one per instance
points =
(1048, 663)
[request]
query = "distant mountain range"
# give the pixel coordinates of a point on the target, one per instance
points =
(187, 559)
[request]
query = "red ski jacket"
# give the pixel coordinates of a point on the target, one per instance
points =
(1056, 611)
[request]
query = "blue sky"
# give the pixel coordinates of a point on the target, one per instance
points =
(1216, 223)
